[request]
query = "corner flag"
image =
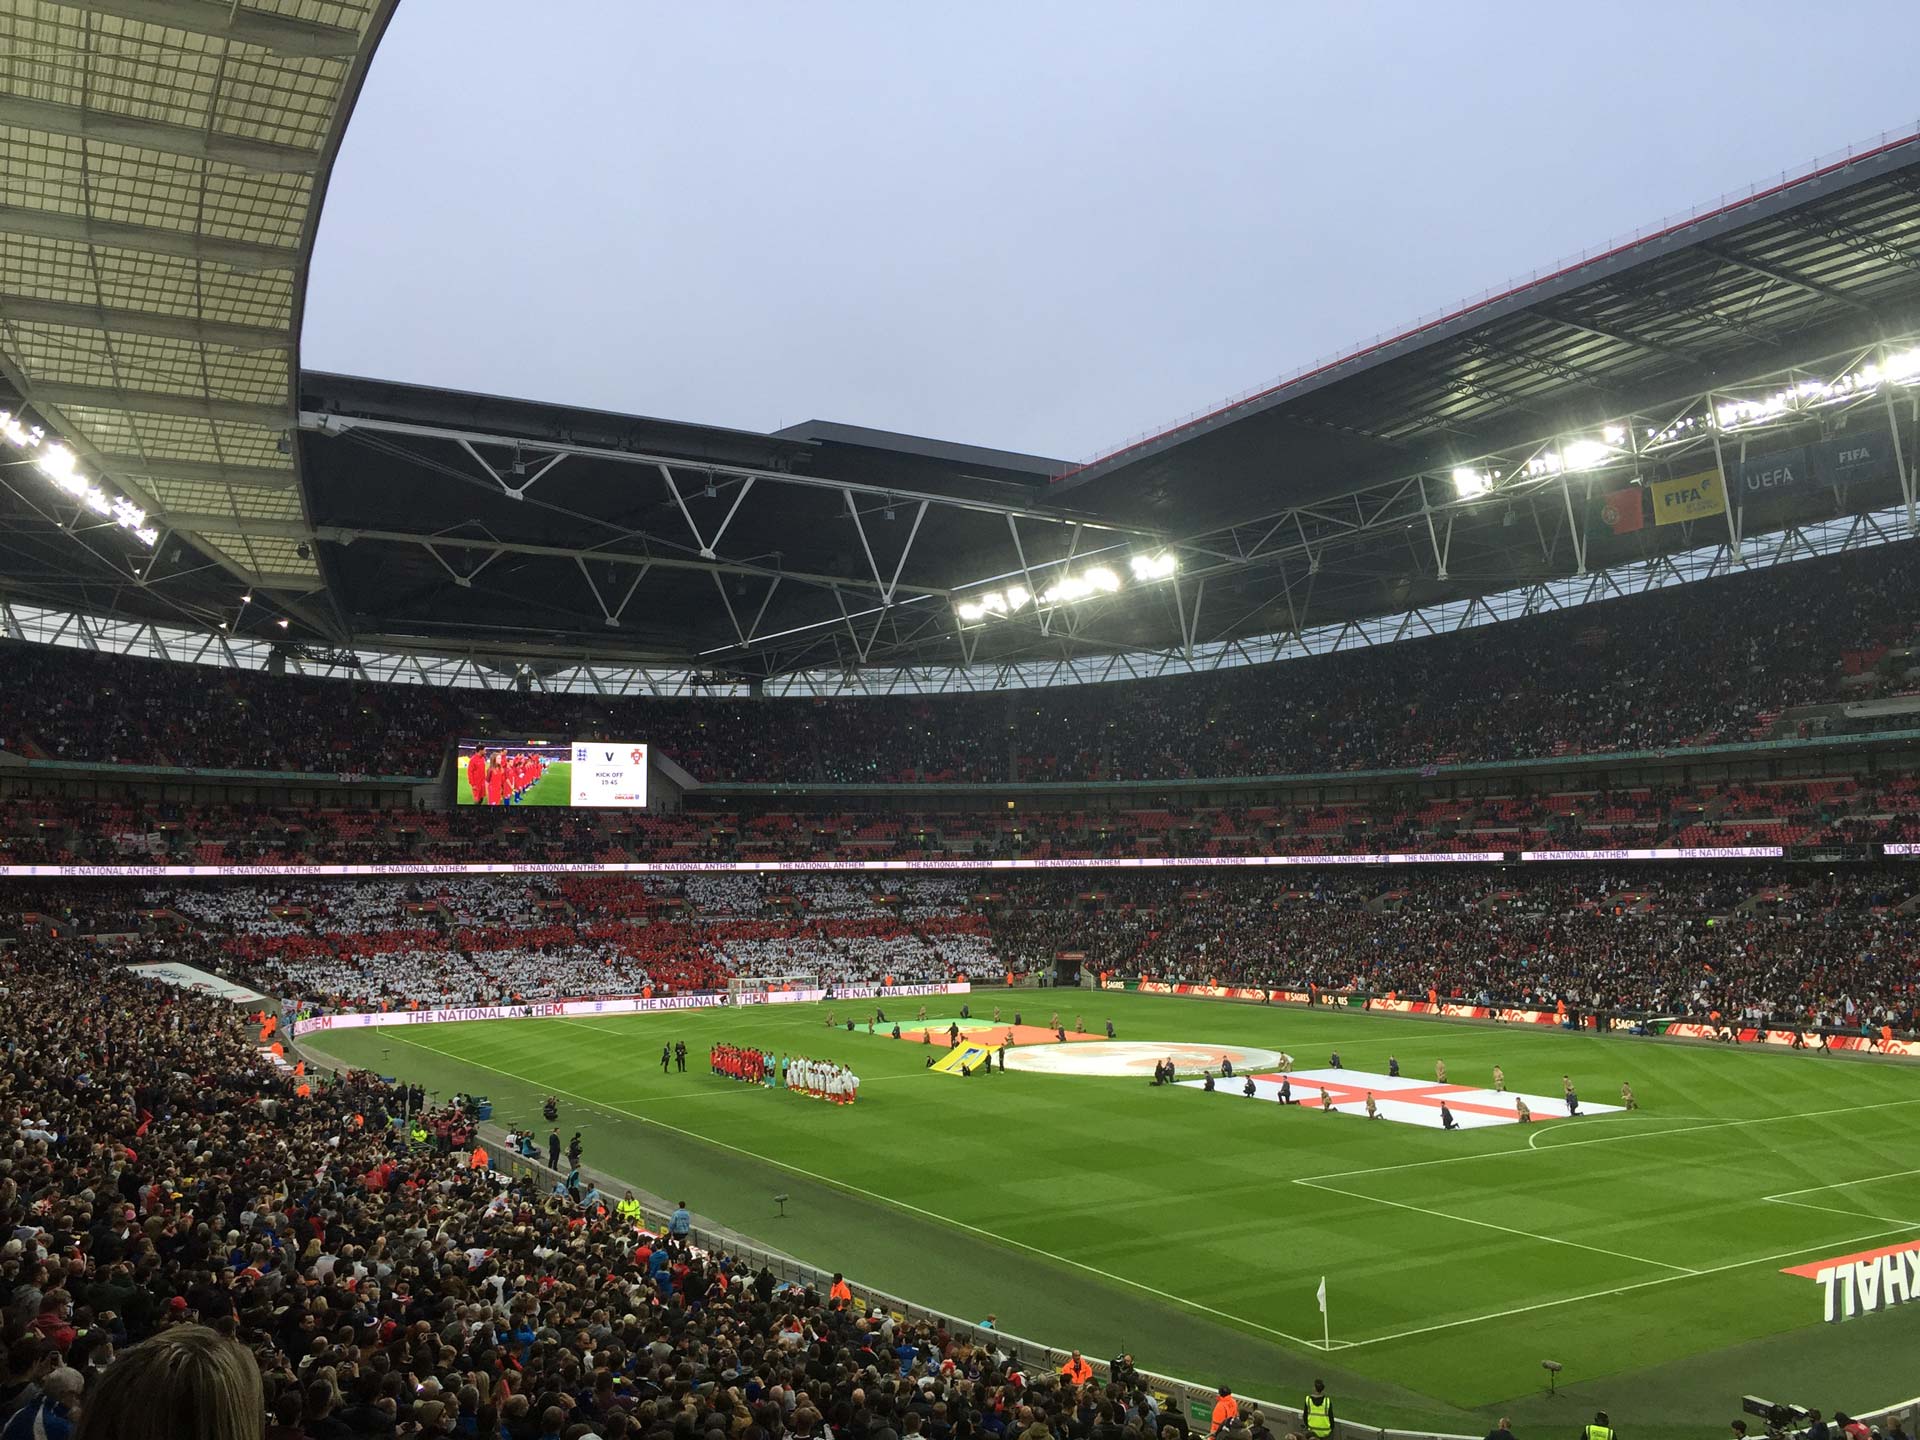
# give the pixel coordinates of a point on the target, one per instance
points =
(1326, 1323)
(1321, 1295)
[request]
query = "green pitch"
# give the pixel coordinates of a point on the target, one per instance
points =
(1636, 1249)
(554, 787)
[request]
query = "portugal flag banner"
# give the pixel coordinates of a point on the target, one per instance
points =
(1623, 510)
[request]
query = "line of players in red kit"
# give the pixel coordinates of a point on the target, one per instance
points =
(501, 777)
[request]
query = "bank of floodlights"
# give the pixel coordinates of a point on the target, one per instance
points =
(1088, 584)
(59, 465)
(1902, 367)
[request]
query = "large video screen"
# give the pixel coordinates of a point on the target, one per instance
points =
(504, 772)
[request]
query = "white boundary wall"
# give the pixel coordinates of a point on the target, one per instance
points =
(701, 867)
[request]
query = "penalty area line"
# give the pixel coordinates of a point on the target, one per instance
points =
(1508, 1229)
(1507, 1152)
(933, 1215)
(1835, 1210)
(1784, 1195)
(1628, 1289)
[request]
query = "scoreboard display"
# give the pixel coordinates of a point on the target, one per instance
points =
(609, 773)
(504, 772)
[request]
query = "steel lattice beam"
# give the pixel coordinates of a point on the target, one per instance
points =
(1785, 276)
(259, 29)
(26, 310)
(146, 239)
(255, 477)
(325, 424)
(187, 141)
(146, 402)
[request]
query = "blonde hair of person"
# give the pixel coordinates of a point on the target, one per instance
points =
(187, 1383)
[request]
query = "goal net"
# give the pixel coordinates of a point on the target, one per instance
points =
(752, 989)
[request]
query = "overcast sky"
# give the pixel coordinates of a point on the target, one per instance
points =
(1044, 227)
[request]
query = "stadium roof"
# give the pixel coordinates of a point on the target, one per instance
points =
(1470, 456)
(1758, 282)
(161, 168)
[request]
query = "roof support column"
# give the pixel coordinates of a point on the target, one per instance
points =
(673, 489)
(1020, 550)
(1726, 491)
(1900, 455)
(1441, 549)
(1575, 530)
(611, 618)
(761, 613)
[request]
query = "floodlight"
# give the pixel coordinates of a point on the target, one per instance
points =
(1153, 567)
(1103, 579)
(56, 462)
(1469, 482)
(1584, 454)
(1018, 595)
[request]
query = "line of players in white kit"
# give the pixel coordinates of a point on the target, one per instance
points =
(821, 1079)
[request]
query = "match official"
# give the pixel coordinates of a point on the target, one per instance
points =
(1599, 1429)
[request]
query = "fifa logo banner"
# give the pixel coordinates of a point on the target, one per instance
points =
(1688, 497)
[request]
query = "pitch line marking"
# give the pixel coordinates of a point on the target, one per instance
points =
(1786, 1195)
(1508, 1229)
(1626, 1289)
(1836, 1210)
(1533, 1140)
(1179, 1300)
(1506, 1153)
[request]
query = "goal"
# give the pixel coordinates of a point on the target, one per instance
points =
(770, 989)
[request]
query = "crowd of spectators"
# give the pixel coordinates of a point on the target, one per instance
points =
(1837, 810)
(1639, 673)
(449, 940)
(1804, 945)
(1839, 949)
(201, 1242)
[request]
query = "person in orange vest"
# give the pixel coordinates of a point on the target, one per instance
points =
(479, 1159)
(1226, 1410)
(1077, 1370)
(840, 1295)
